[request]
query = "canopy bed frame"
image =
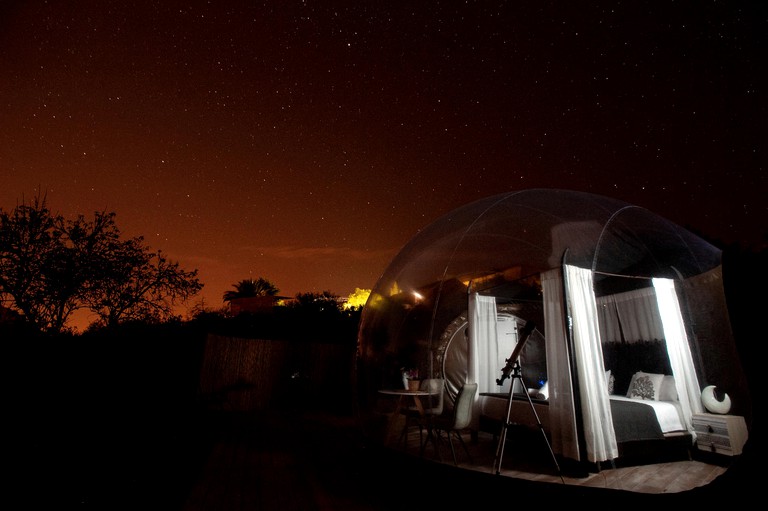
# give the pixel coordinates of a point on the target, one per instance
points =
(588, 416)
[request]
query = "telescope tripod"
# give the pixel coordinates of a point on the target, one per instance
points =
(517, 375)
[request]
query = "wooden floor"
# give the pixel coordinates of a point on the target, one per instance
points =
(321, 462)
(529, 458)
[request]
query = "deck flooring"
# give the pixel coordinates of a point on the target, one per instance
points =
(533, 461)
(286, 462)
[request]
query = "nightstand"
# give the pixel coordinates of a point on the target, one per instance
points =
(723, 434)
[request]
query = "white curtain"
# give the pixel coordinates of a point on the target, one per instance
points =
(483, 343)
(630, 317)
(680, 357)
(597, 420)
(562, 421)
(483, 351)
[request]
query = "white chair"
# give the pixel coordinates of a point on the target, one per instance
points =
(453, 425)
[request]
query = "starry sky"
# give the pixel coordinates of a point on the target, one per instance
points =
(307, 141)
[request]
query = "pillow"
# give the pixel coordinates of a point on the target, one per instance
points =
(609, 381)
(668, 391)
(645, 386)
(543, 392)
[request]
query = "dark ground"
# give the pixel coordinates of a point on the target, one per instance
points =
(307, 462)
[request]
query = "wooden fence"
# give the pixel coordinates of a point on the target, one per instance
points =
(241, 374)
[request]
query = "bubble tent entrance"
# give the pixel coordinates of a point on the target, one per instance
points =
(506, 249)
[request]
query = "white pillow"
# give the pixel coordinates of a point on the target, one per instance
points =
(668, 391)
(645, 386)
(543, 392)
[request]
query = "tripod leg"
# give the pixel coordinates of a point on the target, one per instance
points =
(500, 448)
(503, 435)
(543, 433)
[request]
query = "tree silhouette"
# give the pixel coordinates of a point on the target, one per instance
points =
(31, 264)
(50, 267)
(317, 303)
(248, 288)
(140, 286)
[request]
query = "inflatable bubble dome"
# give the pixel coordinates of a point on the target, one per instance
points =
(519, 250)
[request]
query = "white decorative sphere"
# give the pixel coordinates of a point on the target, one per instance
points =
(712, 403)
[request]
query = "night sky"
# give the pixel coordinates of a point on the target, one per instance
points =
(306, 142)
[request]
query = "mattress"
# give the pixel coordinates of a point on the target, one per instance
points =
(494, 407)
(668, 413)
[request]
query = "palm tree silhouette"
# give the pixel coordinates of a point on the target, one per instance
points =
(248, 288)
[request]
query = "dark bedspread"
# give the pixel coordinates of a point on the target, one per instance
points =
(634, 421)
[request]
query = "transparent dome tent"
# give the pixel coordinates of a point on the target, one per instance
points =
(600, 292)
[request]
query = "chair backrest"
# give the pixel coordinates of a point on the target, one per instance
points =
(434, 402)
(462, 410)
